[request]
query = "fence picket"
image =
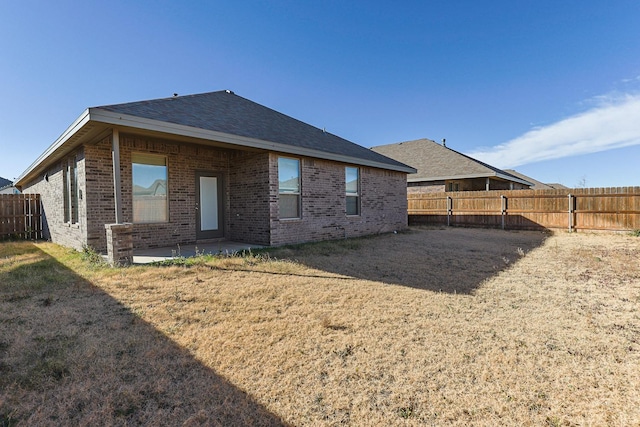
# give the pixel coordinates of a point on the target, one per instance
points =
(612, 209)
(20, 216)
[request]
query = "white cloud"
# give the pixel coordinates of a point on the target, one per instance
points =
(614, 123)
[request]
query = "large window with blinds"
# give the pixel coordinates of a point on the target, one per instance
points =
(149, 188)
(289, 187)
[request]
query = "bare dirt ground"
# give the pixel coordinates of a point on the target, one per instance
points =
(429, 327)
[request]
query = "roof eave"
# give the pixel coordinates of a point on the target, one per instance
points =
(97, 115)
(78, 124)
(118, 119)
(469, 176)
(514, 179)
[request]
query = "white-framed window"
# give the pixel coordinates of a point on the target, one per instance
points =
(352, 186)
(289, 187)
(70, 190)
(149, 188)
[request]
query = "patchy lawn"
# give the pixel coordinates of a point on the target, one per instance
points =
(429, 327)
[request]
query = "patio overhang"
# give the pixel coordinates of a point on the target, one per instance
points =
(95, 123)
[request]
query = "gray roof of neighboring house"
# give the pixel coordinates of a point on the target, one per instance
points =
(537, 185)
(219, 118)
(4, 182)
(435, 162)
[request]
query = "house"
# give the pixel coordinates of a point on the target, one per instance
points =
(6, 187)
(537, 185)
(439, 168)
(209, 166)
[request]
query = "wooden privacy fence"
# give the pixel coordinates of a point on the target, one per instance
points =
(612, 209)
(20, 216)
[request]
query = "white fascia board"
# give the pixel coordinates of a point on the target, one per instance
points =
(118, 119)
(68, 133)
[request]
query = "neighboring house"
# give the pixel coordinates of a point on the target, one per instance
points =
(209, 166)
(440, 168)
(537, 185)
(6, 187)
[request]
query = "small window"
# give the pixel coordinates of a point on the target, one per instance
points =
(352, 185)
(149, 192)
(289, 187)
(70, 190)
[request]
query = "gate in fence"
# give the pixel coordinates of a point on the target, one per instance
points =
(20, 216)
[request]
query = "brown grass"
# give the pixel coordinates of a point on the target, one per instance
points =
(429, 327)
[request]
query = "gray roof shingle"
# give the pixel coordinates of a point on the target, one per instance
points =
(4, 182)
(537, 185)
(224, 111)
(436, 162)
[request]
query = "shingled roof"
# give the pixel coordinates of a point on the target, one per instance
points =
(4, 182)
(219, 118)
(435, 162)
(537, 185)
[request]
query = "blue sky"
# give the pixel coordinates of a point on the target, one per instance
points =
(550, 88)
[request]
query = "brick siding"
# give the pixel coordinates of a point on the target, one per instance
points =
(423, 187)
(383, 202)
(183, 161)
(250, 197)
(50, 186)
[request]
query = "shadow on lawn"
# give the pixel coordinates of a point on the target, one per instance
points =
(72, 355)
(453, 260)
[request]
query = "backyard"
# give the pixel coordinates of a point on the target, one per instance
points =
(433, 326)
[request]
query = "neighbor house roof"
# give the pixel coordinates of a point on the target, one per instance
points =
(435, 162)
(4, 182)
(219, 118)
(537, 185)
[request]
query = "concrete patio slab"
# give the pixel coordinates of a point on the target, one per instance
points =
(146, 256)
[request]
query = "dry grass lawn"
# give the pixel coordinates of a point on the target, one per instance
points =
(429, 327)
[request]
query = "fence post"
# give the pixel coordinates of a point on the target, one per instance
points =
(571, 212)
(503, 203)
(449, 210)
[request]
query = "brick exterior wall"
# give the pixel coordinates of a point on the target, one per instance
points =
(250, 196)
(99, 193)
(51, 190)
(183, 161)
(423, 187)
(383, 201)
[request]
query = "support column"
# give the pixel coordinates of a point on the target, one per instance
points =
(119, 244)
(117, 189)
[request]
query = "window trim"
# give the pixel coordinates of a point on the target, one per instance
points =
(152, 159)
(297, 193)
(70, 190)
(356, 195)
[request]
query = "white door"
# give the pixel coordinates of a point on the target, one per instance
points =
(209, 206)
